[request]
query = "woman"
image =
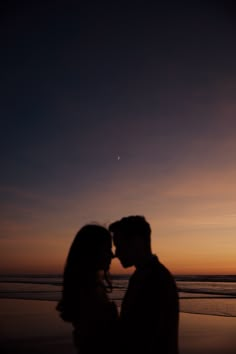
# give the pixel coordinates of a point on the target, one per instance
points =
(85, 302)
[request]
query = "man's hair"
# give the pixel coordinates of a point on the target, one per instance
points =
(132, 227)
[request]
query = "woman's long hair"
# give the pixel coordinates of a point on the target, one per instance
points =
(81, 268)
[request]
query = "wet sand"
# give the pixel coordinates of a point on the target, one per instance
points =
(31, 326)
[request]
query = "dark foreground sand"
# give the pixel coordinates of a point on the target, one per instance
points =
(29, 326)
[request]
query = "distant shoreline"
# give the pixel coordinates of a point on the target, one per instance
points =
(187, 277)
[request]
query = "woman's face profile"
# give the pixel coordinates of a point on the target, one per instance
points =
(105, 256)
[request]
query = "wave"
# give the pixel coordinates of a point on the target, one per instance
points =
(206, 278)
(220, 289)
(218, 306)
(34, 281)
(222, 293)
(116, 277)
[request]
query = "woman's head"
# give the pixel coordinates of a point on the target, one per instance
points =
(91, 249)
(90, 252)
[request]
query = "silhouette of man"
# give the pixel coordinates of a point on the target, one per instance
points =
(150, 309)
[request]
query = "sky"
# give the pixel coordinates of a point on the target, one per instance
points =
(118, 109)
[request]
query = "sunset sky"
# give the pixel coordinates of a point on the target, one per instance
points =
(115, 110)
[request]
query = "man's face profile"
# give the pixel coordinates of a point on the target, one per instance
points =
(123, 249)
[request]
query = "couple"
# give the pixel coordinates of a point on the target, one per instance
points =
(148, 320)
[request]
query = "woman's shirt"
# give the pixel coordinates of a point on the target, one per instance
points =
(95, 328)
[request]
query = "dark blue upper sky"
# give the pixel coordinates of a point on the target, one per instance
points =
(107, 76)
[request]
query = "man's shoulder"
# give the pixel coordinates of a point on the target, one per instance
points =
(164, 274)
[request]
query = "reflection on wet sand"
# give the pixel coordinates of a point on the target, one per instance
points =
(30, 326)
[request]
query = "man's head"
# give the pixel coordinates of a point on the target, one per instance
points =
(132, 239)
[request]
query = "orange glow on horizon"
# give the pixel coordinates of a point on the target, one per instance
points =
(191, 213)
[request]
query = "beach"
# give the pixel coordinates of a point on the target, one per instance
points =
(32, 326)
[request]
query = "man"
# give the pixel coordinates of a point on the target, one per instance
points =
(150, 309)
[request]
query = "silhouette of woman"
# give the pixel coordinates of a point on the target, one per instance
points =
(85, 303)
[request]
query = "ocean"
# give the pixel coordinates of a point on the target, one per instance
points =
(208, 294)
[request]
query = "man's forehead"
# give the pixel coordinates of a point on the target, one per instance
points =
(118, 236)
